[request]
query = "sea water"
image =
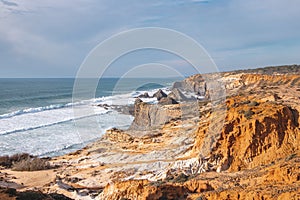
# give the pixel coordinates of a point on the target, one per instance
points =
(36, 115)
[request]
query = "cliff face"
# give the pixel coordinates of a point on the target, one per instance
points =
(256, 155)
(147, 116)
(277, 180)
(254, 135)
(198, 83)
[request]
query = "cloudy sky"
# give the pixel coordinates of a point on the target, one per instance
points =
(51, 38)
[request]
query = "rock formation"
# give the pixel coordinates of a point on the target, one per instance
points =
(153, 116)
(159, 94)
(167, 101)
(177, 95)
(145, 95)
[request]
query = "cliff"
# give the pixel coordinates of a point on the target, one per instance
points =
(258, 145)
(277, 180)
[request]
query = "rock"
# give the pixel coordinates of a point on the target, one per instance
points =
(117, 135)
(145, 95)
(257, 139)
(105, 106)
(12, 194)
(167, 101)
(137, 101)
(137, 106)
(195, 84)
(177, 84)
(142, 190)
(124, 109)
(257, 184)
(177, 95)
(159, 94)
(147, 116)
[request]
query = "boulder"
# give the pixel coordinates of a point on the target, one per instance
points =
(159, 94)
(177, 95)
(145, 95)
(177, 84)
(167, 101)
(149, 116)
(117, 135)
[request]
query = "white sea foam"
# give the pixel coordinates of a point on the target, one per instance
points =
(34, 118)
(50, 130)
(38, 109)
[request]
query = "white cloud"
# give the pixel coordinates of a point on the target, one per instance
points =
(61, 33)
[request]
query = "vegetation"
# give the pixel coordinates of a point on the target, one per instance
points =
(7, 161)
(24, 162)
(31, 164)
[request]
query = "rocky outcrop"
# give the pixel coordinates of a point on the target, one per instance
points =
(117, 136)
(167, 101)
(195, 84)
(269, 80)
(233, 81)
(258, 146)
(159, 94)
(12, 194)
(277, 180)
(145, 95)
(148, 116)
(255, 138)
(177, 95)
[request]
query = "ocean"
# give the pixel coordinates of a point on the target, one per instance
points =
(36, 115)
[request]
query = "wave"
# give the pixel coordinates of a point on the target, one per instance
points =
(49, 124)
(38, 109)
(18, 121)
(118, 99)
(59, 106)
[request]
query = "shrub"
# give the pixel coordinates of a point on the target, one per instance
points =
(31, 164)
(7, 161)
(4, 161)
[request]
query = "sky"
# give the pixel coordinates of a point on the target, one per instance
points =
(48, 38)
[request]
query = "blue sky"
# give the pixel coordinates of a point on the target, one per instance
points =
(47, 38)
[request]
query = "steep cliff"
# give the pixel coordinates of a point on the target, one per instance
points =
(254, 133)
(256, 155)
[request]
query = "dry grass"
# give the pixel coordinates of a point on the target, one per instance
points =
(31, 164)
(7, 161)
(24, 162)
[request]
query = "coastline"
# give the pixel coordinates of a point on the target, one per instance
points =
(158, 156)
(44, 124)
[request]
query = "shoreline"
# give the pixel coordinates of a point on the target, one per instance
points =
(159, 155)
